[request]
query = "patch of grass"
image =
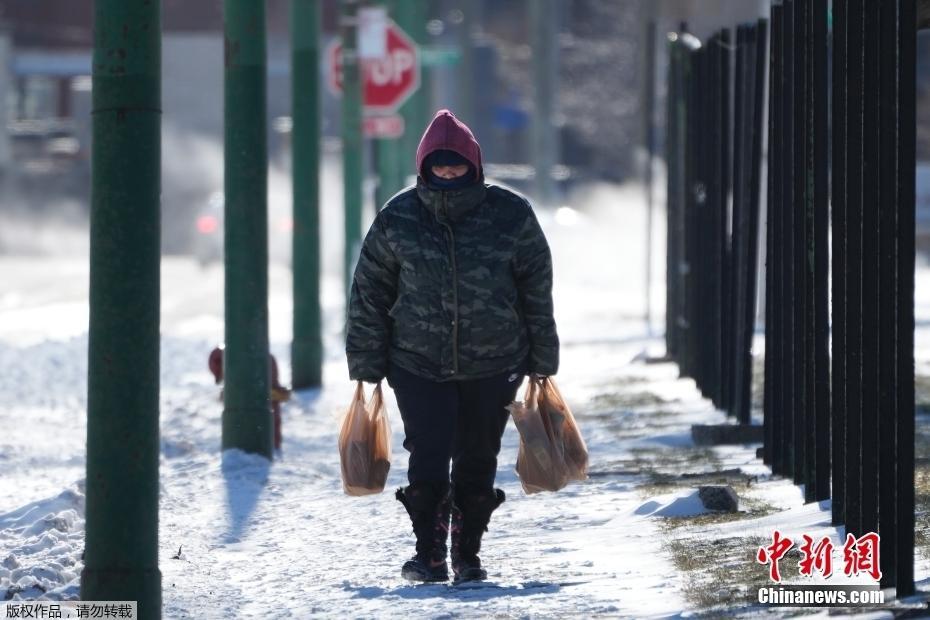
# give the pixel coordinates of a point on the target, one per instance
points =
(922, 510)
(673, 461)
(720, 574)
(722, 578)
(628, 423)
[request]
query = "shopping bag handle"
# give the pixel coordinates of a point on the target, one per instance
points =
(360, 391)
(533, 390)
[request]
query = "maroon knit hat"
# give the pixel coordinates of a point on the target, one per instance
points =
(446, 132)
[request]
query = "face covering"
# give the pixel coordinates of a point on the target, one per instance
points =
(449, 184)
(447, 158)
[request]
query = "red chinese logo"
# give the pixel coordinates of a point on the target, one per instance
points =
(817, 557)
(861, 556)
(773, 553)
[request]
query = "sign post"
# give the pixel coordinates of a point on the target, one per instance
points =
(387, 81)
(390, 75)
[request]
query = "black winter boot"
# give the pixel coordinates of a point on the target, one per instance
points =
(428, 505)
(471, 513)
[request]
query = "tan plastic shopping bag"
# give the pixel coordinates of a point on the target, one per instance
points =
(574, 449)
(551, 451)
(365, 444)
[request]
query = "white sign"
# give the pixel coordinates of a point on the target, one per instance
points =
(390, 126)
(372, 32)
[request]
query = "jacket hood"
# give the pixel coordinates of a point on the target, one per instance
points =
(446, 132)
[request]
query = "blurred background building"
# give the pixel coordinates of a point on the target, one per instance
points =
(480, 65)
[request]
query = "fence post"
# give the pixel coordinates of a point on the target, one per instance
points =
(854, 289)
(735, 300)
(795, 428)
(692, 182)
(803, 427)
(721, 276)
(838, 199)
(769, 412)
(904, 363)
(776, 416)
(818, 267)
(871, 161)
(674, 185)
(757, 73)
(887, 208)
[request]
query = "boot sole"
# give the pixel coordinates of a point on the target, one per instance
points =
(472, 574)
(412, 574)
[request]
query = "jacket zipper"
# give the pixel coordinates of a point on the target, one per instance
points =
(455, 290)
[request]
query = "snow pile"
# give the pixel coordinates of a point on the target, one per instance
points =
(42, 545)
(681, 504)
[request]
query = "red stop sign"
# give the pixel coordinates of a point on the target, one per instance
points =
(387, 82)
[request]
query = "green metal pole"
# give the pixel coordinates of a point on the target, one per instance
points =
(307, 347)
(545, 64)
(411, 16)
(392, 159)
(649, 140)
(390, 154)
(467, 97)
(121, 545)
(390, 169)
(247, 408)
(351, 138)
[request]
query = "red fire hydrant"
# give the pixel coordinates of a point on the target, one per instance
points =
(279, 393)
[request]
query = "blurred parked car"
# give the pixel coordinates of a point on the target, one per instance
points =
(208, 234)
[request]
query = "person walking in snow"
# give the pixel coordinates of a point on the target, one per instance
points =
(451, 302)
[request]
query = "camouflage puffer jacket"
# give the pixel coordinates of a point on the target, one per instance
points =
(453, 285)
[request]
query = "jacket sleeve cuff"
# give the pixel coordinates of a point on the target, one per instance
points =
(368, 367)
(544, 361)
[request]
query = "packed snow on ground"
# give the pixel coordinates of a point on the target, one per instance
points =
(240, 536)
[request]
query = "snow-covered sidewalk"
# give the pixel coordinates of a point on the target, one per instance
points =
(240, 537)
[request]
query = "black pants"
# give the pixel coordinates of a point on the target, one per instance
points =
(457, 421)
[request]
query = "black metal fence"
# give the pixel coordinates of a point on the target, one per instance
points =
(874, 125)
(714, 149)
(797, 394)
(846, 434)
